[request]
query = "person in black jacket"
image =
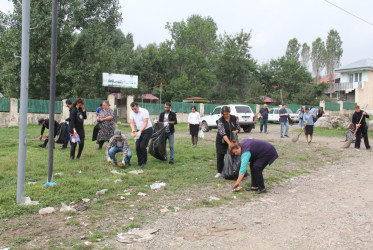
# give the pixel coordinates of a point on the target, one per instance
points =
(45, 124)
(362, 128)
(169, 119)
(66, 138)
(77, 116)
(227, 124)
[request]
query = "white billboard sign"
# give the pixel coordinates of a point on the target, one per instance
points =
(119, 80)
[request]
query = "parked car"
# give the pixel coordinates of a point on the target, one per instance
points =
(274, 116)
(243, 113)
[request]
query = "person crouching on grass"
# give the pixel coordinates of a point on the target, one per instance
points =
(308, 119)
(259, 154)
(118, 143)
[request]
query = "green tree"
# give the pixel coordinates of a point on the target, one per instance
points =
(292, 50)
(305, 54)
(318, 57)
(334, 52)
(73, 16)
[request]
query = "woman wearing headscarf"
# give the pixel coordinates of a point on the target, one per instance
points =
(259, 154)
(107, 125)
(77, 117)
(194, 125)
(227, 124)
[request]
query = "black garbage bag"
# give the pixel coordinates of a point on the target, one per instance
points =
(290, 121)
(232, 164)
(60, 135)
(157, 147)
(95, 131)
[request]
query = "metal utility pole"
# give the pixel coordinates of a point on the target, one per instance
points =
(23, 101)
(160, 95)
(52, 94)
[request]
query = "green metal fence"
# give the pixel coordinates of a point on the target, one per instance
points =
(183, 107)
(349, 105)
(41, 106)
(4, 104)
(332, 106)
(153, 108)
(90, 105)
(253, 107)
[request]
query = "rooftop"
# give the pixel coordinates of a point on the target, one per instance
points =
(363, 64)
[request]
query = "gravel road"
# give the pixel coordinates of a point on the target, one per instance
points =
(331, 208)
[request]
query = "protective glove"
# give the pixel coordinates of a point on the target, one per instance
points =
(236, 187)
(75, 134)
(108, 159)
(41, 136)
(165, 124)
(137, 135)
(120, 164)
(133, 133)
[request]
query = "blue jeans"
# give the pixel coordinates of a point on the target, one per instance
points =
(286, 124)
(263, 121)
(114, 150)
(171, 139)
(300, 123)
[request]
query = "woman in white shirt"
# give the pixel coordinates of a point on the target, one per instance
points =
(194, 124)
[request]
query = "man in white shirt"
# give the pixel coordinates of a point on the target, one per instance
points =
(141, 118)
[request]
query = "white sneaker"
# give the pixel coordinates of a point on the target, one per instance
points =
(217, 175)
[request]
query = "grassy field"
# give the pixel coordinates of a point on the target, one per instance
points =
(189, 184)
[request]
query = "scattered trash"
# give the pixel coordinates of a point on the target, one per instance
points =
(66, 208)
(127, 194)
(82, 237)
(118, 180)
(68, 218)
(46, 210)
(101, 192)
(86, 200)
(136, 235)
(58, 174)
(132, 205)
(116, 172)
(80, 171)
(122, 198)
(164, 210)
(188, 199)
(131, 218)
(136, 172)
(234, 197)
(107, 179)
(31, 183)
(292, 179)
(7, 248)
(213, 198)
(177, 209)
(157, 185)
(29, 202)
(258, 222)
(84, 224)
(88, 243)
(141, 194)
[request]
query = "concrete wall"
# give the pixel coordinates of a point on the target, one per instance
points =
(364, 96)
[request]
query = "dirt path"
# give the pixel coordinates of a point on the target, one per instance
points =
(331, 208)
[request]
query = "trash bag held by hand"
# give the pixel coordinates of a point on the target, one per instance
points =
(290, 121)
(95, 131)
(60, 136)
(74, 138)
(201, 135)
(157, 147)
(232, 164)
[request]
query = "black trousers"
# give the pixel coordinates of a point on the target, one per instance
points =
(220, 162)
(257, 179)
(73, 148)
(364, 132)
(141, 145)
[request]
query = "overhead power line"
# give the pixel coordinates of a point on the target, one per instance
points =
(349, 13)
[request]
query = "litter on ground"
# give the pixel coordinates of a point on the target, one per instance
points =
(101, 192)
(116, 172)
(86, 200)
(157, 185)
(136, 235)
(213, 198)
(66, 208)
(136, 172)
(46, 210)
(118, 180)
(29, 202)
(141, 194)
(58, 174)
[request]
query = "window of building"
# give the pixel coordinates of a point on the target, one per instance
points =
(360, 77)
(351, 78)
(356, 77)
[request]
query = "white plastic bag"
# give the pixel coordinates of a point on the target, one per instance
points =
(201, 135)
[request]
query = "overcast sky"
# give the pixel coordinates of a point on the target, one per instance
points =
(272, 22)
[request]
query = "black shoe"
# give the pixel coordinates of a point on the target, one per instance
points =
(128, 164)
(42, 145)
(171, 162)
(261, 191)
(98, 149)
(282, 136)
(369, 148)
(252, 189)
(62, 148)
(142, 166)
(287, 136)
(72, 157)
